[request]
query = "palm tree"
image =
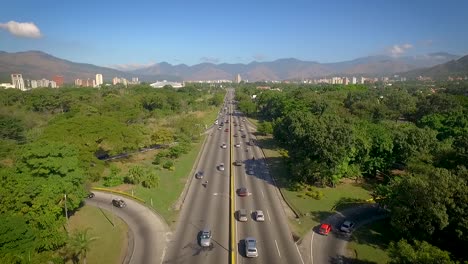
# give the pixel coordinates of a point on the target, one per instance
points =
(80, 244)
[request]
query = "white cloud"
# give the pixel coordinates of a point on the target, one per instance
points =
(397, 50)
(25, 30)
(131, 66)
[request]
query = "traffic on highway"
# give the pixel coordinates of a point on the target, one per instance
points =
(231, 169)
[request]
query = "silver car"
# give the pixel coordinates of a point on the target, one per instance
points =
(221, 167)
(251, 247)
(205, 238)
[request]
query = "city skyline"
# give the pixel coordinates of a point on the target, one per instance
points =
(128, 36)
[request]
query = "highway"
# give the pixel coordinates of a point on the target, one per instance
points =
(274, 239)
(209, 207)
(205, 207)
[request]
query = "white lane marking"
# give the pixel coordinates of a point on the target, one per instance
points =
(277, 248)
(263, 194)
(299, 253)
(311, 243)
(163, 255)
(268, 215)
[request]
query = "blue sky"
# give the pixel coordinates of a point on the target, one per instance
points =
(142, 32)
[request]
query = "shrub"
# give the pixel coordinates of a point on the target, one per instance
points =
(168, 164)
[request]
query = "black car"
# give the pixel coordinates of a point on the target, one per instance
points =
(90, 195)
(243, 136)
(119, 203)
(199, 174)
(238, 163)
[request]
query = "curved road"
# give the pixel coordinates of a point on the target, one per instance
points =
(320, 249)
(148, 230)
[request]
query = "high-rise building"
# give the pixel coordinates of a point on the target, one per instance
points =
(99, 80)
(17, 81)
(78, 82)
(135, 80)
(58, 79)
(354, 80)
(238, 78)
(34, 84)
(115, 80)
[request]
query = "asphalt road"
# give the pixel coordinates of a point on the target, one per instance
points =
(148, 231)
(205, 207)
(274, 239)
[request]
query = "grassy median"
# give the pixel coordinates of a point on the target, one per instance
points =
(111, 243)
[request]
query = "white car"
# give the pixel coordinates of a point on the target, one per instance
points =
(347, 226)
(224, 146)
(259, 216)
(219, 128)
(237, 145)
(221, 167)
(251, 247)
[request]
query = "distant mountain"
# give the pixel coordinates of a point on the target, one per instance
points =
(454, 68)
(286, 69)
(38, 65)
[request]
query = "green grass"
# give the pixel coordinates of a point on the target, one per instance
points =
(109, 238)
(170, 186)
(311, 210)
(369, 242)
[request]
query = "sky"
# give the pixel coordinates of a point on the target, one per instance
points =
(129, 34)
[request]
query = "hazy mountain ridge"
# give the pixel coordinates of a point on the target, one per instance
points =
(453, 68)
(290, 68)
(37, 65)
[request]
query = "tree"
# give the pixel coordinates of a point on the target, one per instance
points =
(419, 252)
(80, 244)
(136, 174)
(11, 128)
(265, 128)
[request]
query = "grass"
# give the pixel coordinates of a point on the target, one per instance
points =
(109, 238)
(369, 242)
(171, 183)
(311, 210)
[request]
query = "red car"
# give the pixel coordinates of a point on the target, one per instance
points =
(325, 229)
(242, 191)
(226, 130)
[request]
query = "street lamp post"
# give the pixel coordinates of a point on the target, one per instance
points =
(66, 211)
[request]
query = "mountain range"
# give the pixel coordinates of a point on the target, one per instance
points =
(37, 65)
(454, 68)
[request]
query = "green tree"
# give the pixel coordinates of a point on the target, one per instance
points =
(419, 252)
(80, 244)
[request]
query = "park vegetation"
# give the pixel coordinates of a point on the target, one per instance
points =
(408, 140)
(54, 144)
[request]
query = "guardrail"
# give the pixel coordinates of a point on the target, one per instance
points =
(119, 192)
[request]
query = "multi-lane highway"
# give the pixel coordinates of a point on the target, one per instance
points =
(208, 207)
(205, 207)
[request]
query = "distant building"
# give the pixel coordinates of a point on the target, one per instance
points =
(115, 80)
(99, 79)
(164, 83)
(7, 85)
(58, 79)
(18, 82)
(135, 80)
(238, 79)
(33, 84)
(263, 87)
(354, 81)
(78, 82)
(345, 81)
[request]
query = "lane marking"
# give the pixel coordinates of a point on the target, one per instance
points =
(263, 194)
(299, 253)
(268, 215)
(163, 255)
(311, 243)
(277, 248)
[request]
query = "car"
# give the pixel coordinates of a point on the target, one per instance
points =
(205, 238)
(325, 229)
(221, 167)
(347, 226)
(259, 216)
(238, 163)
(227, 121)
(235, 135)
(237, 145)
(243, 136)
(119, 203)
(199, 174)
(242, 191)
(241, 130)
(91, 195)
(219, 128)
(251, 247)
(224, 146)
(226, 130)
(216, 122)
(242, 215)
(250, 171)
(243, 120)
